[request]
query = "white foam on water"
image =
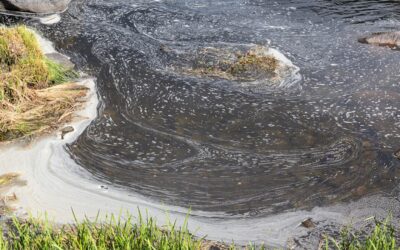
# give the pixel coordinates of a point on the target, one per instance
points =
(51, 19)
(56, 185)
(289, 72)
(46, 45)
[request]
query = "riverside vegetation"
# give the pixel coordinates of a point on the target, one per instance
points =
(126, 232)
(35, 92)
(383, 237)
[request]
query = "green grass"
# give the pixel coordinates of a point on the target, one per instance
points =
(58, 74)
(24, 66)
(26, 73)
(382, 237)
(114, 233)
(143, 233)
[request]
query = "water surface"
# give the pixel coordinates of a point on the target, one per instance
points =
(221, 146)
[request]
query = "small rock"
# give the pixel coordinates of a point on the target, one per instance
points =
(214, 248)
(308, 223)
(61, 59)
(66, 130)
(397, 154)
(213, 245)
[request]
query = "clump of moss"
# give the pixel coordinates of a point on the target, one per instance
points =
(253, 63)
(249, 65)
(25, 74)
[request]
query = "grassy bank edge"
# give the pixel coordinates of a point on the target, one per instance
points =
(143, 233)
(383, 236)
(36, 93)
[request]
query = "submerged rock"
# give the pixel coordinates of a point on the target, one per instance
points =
(397, 154)
(35, 6)
(246, 64)
(390, 39)
(236, 65)
(308, 223)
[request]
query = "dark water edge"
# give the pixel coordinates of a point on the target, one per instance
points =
(216, 145)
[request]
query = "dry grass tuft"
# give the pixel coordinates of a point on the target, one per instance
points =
(30, 99)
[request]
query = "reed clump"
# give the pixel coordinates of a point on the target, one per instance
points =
(31, 97)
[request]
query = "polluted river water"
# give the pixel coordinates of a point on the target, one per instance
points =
(251, 158)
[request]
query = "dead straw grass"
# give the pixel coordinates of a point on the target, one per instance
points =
(32, 98)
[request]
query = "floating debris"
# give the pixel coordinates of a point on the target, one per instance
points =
(389, 39)
(7, 182)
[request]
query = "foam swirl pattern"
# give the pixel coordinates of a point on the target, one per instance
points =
(216, 145)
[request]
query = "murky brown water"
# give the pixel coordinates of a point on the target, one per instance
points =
(221, 146)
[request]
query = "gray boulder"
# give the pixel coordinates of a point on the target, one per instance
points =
(35, 6)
